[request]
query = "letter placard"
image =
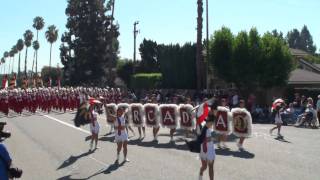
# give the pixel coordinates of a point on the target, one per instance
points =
(222, 124)
(242, 122)
(111, 109)
(136, 115)
(151, 115)
(169, 115)
(187, 120)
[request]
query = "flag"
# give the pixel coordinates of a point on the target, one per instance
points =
(13, 82)
(4, 82)
(202, 112)
(83, 113)
(277, 102)
(82, 116)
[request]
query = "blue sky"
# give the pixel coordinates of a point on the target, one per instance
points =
(165, 21)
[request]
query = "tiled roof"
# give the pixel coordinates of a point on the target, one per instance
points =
(298, 52)
(300, 76)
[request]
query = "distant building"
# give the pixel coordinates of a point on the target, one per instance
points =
(307, 75)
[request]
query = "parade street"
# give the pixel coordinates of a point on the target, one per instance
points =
(49, 146)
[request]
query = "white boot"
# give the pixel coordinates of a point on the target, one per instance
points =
(126, 159)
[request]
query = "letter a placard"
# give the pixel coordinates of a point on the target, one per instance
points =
(222, 124)
(168, 115)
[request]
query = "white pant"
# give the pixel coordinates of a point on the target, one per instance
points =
(210, 155)
(95, 129)
(122, 137)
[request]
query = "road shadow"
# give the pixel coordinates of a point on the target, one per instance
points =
(113, 167)
(72, 159)
(106, 138)
(239, 154)
(68, 177)
(155, 144)
(281, 139)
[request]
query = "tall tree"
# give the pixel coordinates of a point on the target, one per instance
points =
(11, 55)
(14, 52)
(221, 53)
(277, 34)
(20, 45)
(6, 54)
(250, 61)
(51, 36)
(38, 24)
(36, 47)
(307, 41)
(3, 61)
(301, 40)
(276, 62)
(149, 59)
(293, 39)
(200, 59)
(28, 36)
(94, 43)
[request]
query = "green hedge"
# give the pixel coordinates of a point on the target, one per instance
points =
(146, 80)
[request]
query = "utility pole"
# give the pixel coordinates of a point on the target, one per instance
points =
(208, 50)
(112, 15)
(135, 32)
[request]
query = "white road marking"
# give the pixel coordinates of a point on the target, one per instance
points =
(66, 124)
(82, 130)
(100, 162)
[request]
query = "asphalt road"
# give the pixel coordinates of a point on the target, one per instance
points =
(50, 147)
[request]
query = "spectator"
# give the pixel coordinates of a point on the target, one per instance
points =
(318, 107)
(235, 100)
(5, 162)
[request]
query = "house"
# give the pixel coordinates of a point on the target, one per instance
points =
(307, 75)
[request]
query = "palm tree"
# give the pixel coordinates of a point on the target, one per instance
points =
(38, 24)
(51, 36)
(28, 36)
(3, 61)
(199, 60)
(20, 45)
(35, 46)
(5, 56)
(12, 53)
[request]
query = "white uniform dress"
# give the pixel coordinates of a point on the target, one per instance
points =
(210, 155)
(277, 119)
(121, 136)
(94, 125)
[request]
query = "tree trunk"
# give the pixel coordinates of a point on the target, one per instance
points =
(10, 59)
(37, 56)
(12, 65)
(50, 59)
(25, 62)
(199, 58)
(19, 65)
